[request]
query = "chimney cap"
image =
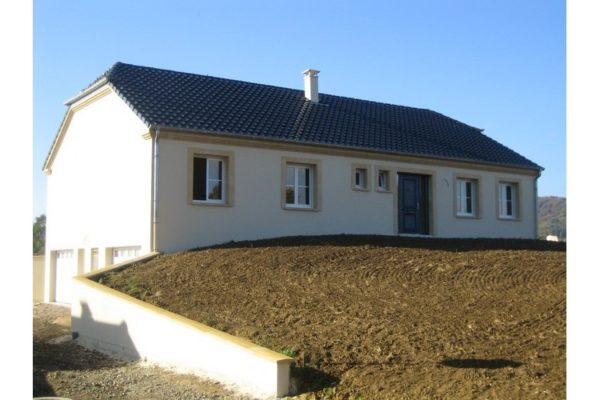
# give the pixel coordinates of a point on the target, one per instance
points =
(311, 72)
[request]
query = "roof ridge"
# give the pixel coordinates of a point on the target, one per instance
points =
(374, 102)
(108, 72)
(169, 71)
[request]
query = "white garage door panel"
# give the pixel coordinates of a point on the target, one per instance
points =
(121, 254)
(65, 270)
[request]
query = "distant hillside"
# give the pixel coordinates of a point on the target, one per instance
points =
(552, 216)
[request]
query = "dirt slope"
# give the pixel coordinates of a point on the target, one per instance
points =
(382, 317)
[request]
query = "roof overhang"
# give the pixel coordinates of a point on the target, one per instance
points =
(86, 92)
(331, 149)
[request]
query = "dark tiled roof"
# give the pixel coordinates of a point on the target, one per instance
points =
(170, 99)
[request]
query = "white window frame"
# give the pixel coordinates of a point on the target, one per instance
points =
(227, 177)
(360, 178)
(68, 253)
(207, 180)
(363, 173)
(383, 173)
(314, 166)
(508, 197)
(126, 251)
(299, 169)
(463, 197)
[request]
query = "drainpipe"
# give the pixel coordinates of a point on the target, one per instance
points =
(535, 206)
(155, 187)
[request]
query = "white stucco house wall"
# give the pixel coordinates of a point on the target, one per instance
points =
(155, 160)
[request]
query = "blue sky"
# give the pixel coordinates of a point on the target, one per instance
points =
(496, 65)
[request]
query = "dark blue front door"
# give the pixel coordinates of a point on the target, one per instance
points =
(412, 203)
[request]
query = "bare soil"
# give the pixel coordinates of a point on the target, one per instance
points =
(377, 317)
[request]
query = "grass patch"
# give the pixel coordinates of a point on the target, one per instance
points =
(290, 352)
(133, 286)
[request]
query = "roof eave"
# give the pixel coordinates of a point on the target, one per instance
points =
(536, 168)
(84, 93)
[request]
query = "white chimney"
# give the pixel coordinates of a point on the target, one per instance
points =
(311, 85)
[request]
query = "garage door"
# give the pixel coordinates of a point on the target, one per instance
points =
(121, 254)
(65, 270)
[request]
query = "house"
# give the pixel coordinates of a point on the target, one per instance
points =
(156, 160)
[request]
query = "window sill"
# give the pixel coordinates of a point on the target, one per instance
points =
(382, 190)
(297, 208)
(503, 218)
(467, 216)
(210, 204)
(360, 189)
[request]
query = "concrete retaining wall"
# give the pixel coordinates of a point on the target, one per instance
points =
(122, 326)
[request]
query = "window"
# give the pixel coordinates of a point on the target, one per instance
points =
(209, 180)
(507, 200)
(64, 254)
(360, 178)
(466, 197)
(121, 254)
(299, 186)
(383, 180)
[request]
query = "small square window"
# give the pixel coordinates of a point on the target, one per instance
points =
(360, 178)
(383, 180)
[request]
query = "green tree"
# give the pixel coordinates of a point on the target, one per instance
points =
(39, 235)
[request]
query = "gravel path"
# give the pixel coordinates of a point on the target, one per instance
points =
(63, 368)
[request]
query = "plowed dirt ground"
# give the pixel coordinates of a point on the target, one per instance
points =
(381, 317)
